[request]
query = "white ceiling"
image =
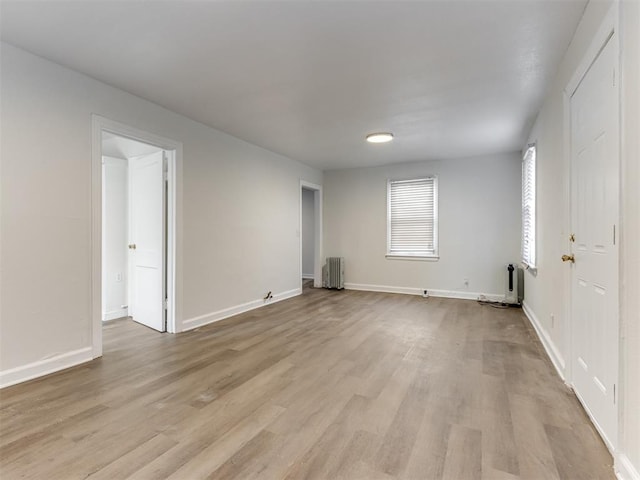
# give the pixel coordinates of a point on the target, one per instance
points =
(121, 147)
(309, 79)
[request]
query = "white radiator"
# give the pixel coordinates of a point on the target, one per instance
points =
(333, 273)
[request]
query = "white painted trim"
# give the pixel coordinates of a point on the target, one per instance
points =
(174, 160)
(419, 258)
(624, 468)
(45, 367)
(212, 317)
(568, 199)
(96, 238)
(113, 314)
(307, 276)
(623, 465)
(418, 291)
(317, 203)
(174, 153)
(608, 27)
(552, 352)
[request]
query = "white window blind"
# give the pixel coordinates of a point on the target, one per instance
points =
(412, 217)
(529, 207)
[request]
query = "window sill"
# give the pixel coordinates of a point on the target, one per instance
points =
(420, 258)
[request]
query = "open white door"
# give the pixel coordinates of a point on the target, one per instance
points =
(594, 212)
(147, 240)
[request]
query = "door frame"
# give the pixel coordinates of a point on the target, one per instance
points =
(173, 150)
(609, 31)
(317, 243)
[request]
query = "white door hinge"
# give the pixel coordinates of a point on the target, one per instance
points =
(165, 166)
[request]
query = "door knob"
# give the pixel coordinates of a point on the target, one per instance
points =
(132, 246)
(568, 258)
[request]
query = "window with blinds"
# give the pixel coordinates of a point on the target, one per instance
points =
(412, 216)
(529, 207)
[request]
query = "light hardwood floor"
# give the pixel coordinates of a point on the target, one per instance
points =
(350, 385)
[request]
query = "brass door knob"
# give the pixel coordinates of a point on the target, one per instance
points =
(568, 258)
(132, 246)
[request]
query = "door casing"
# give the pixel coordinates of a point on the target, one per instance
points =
(317, 242)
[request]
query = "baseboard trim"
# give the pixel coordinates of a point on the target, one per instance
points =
(45, 367)
(624, 468)
(418, 291)
(213, 317)
(308, 276)
(549, 347)
(113, 314)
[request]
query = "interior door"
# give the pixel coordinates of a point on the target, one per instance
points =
(594, 211)
(147, 240)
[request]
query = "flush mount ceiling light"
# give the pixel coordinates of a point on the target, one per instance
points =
(380, 137)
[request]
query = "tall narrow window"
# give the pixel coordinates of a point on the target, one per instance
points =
(412, 217)
(529, 207)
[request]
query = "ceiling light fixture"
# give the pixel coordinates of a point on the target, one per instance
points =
(380, 137)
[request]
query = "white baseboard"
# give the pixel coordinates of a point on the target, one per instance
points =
(308, 276)
(45, 367)
(624, 468)
(547, 343)
(418, 291)
(212, 317)
(113, 314)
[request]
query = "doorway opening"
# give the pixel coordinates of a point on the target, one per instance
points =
(133, 233)
(592, 116)
(310, 234)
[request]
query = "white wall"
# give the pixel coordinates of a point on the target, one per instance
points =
(237, 214)
(546, 294)
(308, 232)
(114, 237)
(479, 227)
(630, 311)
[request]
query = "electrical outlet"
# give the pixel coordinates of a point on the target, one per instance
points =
(466, 282)
(118, 277)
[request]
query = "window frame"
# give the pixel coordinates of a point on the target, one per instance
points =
(426, 255)
(529, 207)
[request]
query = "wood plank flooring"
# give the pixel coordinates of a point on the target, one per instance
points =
(327, 385)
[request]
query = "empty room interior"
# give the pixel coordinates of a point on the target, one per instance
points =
(320, 239)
